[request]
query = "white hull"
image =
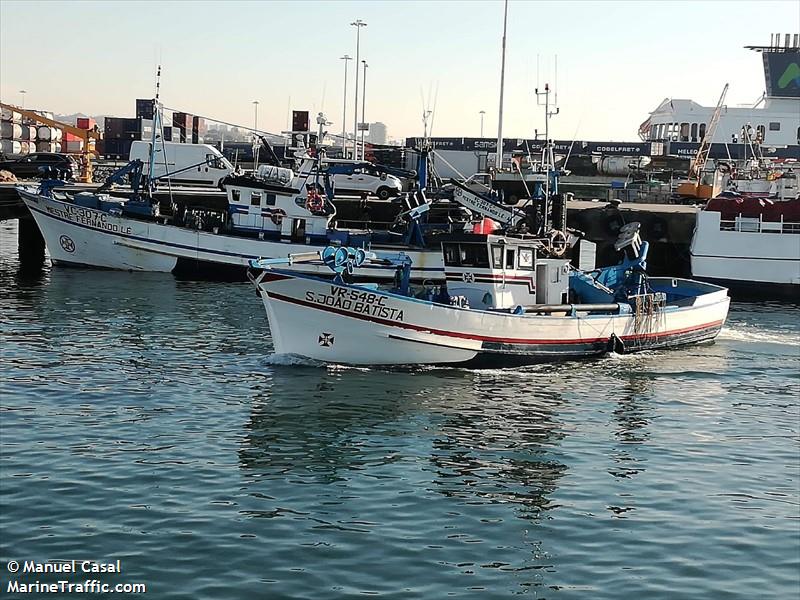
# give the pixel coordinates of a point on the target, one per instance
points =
(362, 326)
(84, 236)
(760, 256)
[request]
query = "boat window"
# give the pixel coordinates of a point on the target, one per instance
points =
(702, 130)
(684, 132)
(526, 258)
(270, 199)
(798, 135)
(497, 257)
(774, 126)
(235, 195)
(760, 131)
(255, 198)
(298, 230)
(509, 258)
(474, 255)
(451, 255)
(694, 132)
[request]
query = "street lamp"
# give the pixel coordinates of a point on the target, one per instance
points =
(358, 24)
(23, 92)
(345, 58)
(363, 107)
(483, 112)
(255, 134)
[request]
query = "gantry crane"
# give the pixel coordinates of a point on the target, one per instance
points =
(87, 135)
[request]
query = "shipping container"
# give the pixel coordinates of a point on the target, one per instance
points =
(182, 119)
(86, 123)
(117, 149)
(144, 108)
(10, 130)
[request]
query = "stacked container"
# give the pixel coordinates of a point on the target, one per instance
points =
(198, 129)
(183, 122)
(11, 133)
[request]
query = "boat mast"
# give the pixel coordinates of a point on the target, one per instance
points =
(156, 127)
(499, 154)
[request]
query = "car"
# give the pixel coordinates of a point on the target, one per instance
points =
(41, 165)
(363, 180)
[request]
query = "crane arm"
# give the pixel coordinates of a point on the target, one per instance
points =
(705, 146)
(84, 134)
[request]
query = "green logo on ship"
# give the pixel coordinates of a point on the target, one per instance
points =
(791, 74)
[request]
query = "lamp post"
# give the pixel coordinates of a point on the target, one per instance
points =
(23, 92)
(483, 112)
(358, 24)
(363, 107)
(255, 134)
(345, 58)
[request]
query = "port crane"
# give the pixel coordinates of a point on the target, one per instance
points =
(694, 188)
(86, 135)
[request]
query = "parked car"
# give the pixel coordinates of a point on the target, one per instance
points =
(381, 185)
(42, 165)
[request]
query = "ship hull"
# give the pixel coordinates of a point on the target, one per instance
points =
(360, 325)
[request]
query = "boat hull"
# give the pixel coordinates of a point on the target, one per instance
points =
(753, 264)
(359, 325)
(81, 236)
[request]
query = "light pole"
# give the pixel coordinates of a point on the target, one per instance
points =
(358, 24)
(483, 112)
(363, 107)
(255, 135)
(345, 58)
(23, 92)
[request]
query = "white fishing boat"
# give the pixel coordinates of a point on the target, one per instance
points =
(751, 244)
(272, 212)
(505, 302)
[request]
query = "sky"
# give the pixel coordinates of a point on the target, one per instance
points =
(616, 60)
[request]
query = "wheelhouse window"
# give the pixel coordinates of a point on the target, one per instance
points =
(526, 258)
(270, 199)
(760, 131)
(235, 195)
(702, 130)
(452, 256)
(684, 132)
(497, 257)
(774, 126)
(255, 198)
(694, 132)
(510, 258)
(474, 255)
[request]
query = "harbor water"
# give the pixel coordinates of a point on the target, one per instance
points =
(143, 420)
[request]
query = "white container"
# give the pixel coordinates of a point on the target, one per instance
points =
(28, 133)
(44, 133)
(11, 146)
(47, 147)
(74, 146)
(6, 114)
(10, 130)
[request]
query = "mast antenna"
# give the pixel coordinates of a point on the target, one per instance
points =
(499, 153)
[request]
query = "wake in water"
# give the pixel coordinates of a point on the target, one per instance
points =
(291, 360)
(748, 334)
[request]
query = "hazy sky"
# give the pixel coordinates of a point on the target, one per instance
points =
(616, 60)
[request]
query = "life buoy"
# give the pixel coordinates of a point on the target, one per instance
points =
(558, 242)
(314, 202)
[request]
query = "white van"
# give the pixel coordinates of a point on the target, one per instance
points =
(192, 164)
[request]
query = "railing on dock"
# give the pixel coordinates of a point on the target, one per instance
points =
(758, 225)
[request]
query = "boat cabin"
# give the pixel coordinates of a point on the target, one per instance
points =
(276, 203)
(499, 272)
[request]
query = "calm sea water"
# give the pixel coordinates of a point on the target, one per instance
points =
(143, 420)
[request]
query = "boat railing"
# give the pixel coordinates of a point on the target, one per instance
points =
(758, 225)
